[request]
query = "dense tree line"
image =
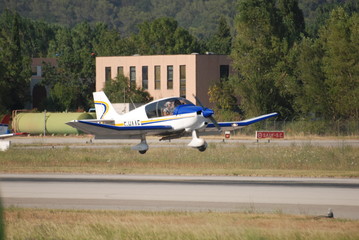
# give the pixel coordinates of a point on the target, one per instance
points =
(281, 69)
(282, 63)
(199, 17)
(73, 80)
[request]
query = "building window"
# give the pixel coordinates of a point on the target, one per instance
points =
(107, 74)
(119, 71)
(145, 77)
(170, 77)
(157, 77)
(34, 70)
(183, 81)
(224, 72)
(132, 76)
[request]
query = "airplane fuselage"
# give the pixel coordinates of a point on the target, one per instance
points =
(138, 117)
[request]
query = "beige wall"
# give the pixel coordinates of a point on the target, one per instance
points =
(208, 72)
(201, 71)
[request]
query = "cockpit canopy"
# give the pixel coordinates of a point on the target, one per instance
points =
(165, 107)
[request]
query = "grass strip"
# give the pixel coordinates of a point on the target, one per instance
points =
(308, 160)
(71, 224)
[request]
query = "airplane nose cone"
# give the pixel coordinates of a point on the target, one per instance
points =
(207, 112)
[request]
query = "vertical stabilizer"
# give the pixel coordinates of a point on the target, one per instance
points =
(103, 106)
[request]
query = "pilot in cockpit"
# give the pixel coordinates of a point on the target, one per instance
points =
(169, 107)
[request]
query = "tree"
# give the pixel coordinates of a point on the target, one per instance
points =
(290, 32)
(255, 54)
(120, 90)
(339, 38)
(293, 20)
(309, 89)
(326, 85)
(264, 55)
(221, 42)
(221, 94)
(76, 67)
(15, 64)
(163, 36)
(201, 17)
(108, 42)
(318, 12)
(65, 89)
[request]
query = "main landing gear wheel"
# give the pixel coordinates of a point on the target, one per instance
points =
(202, 148)
(142, 147)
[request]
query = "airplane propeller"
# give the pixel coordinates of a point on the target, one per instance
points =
(208, 113)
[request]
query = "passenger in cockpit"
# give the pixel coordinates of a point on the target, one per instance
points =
(177, 103)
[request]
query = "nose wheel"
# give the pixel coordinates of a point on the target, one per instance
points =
(197, 142)
(203, 147)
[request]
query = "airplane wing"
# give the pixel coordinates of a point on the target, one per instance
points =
(100, 121)
(107, 131)
(239, 124)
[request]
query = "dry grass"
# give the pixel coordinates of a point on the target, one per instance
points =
(67, 224)
(306, 160)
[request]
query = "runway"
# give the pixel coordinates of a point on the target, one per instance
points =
(308, 196)
(89, 142)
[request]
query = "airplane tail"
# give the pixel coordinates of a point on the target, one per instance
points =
(103, 106)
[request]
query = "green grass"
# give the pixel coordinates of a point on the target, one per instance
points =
(308, 160)
(71, 224)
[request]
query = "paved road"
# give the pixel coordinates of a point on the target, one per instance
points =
(309, 196)
(89, 142)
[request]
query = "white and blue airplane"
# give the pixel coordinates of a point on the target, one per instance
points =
(169, 118)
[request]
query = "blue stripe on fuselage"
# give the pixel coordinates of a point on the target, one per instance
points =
(128, 128)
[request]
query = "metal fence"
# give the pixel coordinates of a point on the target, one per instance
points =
(306, 128)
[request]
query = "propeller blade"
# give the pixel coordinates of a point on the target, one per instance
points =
(215, 123)
(199, 102)
(210, 116)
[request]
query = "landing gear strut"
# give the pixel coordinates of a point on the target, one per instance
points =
(142, 147)
(197, 142)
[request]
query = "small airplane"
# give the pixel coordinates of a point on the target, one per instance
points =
(169, 118)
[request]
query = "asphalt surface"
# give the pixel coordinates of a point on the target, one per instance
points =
(307, 196)
(89, 142)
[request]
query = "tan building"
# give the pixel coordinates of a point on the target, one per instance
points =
(166, 75)
(38, 91)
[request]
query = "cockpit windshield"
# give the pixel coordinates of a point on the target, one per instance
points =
(165, 107)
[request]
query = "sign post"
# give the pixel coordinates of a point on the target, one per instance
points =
(269, 135)
(227, 134)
